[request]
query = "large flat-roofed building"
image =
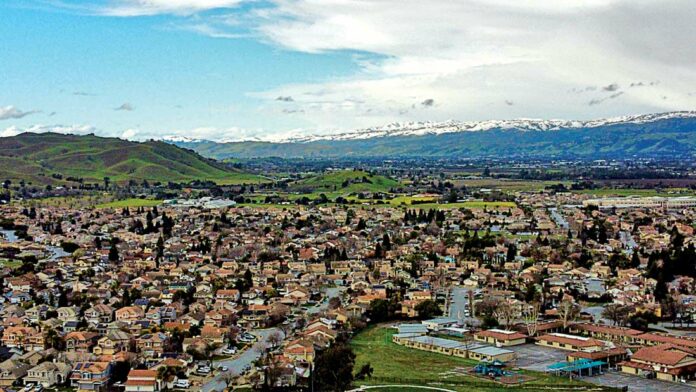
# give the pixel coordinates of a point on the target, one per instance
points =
(471, 350)
(642, 202)
(501, 337)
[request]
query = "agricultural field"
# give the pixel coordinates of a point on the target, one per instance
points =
(130, 203)
(345, 182)
(507, 185)
(392, 362)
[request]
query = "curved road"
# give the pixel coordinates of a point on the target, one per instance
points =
(236, 366)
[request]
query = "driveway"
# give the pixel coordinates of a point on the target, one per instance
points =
(237, 365)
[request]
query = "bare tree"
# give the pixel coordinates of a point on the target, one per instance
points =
(531, 317)
(505, 313)
(567, 312)
(275, 339)
(229, 379)
(467, 341)
(618, 314)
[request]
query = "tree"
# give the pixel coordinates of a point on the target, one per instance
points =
(618, 314)
(113, 253)
(567, 312)
(505, 313)
(334, 303)
(428, 309)
(365, 372)
(378, 310)
(334, 368)
(531, 316)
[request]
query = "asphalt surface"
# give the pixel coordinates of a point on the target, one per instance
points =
(538, 358)
(237, 365)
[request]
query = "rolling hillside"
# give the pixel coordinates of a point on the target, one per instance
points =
(665, 135)
(52, 158)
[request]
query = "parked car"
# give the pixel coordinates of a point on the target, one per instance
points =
(203, 370)
(38, 388)
(182, 383)
(229, 351)
(28, 388)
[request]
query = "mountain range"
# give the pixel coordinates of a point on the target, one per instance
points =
(52, 158)
(661, 135)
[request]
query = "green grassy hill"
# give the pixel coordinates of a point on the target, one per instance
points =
(345, 181)
(44, 158)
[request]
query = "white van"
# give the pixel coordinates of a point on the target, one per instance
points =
(182, 383)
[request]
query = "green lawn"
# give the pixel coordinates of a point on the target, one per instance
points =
(11, 264)
(469, 204)
(394, 362)
(131, 203)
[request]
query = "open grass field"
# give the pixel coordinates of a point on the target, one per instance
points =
(130, 203)
(393, 362)
(508, 185)
(469, 204)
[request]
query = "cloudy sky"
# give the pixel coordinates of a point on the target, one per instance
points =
(240, 69)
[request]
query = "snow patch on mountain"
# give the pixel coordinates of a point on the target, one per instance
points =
(451, 126)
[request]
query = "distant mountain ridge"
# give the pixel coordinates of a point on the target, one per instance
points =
(650, 135)
(43, 158)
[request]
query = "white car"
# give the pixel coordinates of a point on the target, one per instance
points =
(38, 388)
(229, 351)
(182, 383)
(28, 388)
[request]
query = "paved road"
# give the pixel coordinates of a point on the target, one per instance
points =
(596, 312)
(236, 366)
(458, 302)
(55, 252)
(329, 293)
(561, 222)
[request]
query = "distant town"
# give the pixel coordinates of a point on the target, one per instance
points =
(344, 278)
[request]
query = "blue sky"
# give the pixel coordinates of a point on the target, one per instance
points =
(235, 69)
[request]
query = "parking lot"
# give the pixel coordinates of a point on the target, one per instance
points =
(533, 357)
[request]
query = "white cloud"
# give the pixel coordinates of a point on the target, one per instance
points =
(472, 59)
(473, 56)
(11, 112)
(153, 7)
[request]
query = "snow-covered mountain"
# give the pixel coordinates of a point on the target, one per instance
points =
(663, 135)
(523, 124)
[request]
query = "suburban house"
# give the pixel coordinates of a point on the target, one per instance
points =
(48, 374)
(91, 376)
(12, 370)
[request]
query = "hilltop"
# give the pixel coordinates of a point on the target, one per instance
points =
(664, 135)
(52, 158)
